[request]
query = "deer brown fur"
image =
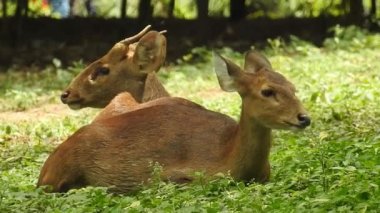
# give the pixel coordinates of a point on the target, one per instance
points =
(181, 136)
(124, 103)
(130, 66)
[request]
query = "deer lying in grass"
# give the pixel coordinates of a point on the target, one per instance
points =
(182, 136)
(130, 66)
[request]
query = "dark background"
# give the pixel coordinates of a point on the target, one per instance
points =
(31, 34)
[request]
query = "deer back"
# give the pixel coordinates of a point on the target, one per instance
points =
(119, 151)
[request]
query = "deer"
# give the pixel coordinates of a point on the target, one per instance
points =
(181, 136)
(130, 66)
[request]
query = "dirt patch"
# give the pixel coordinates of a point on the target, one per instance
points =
(211, 93)
(61, 111)
(45, 111)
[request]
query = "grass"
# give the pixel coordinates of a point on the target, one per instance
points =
(332, 166)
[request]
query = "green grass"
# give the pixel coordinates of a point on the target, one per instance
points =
(332, 166)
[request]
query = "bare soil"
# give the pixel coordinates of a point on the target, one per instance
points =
(44, 111)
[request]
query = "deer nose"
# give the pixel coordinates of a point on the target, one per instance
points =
(304, 120)
(64, 96)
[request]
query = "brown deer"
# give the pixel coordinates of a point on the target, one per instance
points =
(182, 136)
(130, 66)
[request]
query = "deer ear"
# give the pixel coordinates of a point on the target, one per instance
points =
(254, 61)
(117, 53)
(228, 73)
(150, 52)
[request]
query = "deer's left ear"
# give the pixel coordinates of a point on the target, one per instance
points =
(230, 75)
(150, 52)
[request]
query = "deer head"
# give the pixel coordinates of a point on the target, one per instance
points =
(124, 68)
(268, 97)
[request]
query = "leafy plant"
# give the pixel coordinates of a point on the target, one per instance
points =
(351, 38)
(334, 166)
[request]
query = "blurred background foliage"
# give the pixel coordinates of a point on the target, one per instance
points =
(190, 9)
(28, 25)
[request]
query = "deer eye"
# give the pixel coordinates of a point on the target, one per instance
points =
(99, 71)
(102, 70)
(267, 93)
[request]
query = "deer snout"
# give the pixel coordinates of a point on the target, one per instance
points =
(64, 96)
(303, 120)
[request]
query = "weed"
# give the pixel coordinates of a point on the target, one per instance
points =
(334, 166)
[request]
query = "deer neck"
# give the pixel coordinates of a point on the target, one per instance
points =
(135, 87)
(250, 155)
(153, 88)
